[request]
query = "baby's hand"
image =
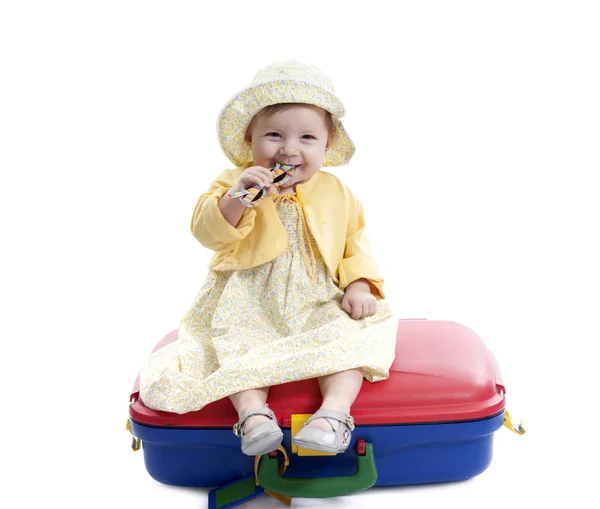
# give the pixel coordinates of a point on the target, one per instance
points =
(255, 176)
(358, 301)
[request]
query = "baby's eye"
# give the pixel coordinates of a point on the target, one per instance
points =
(274, 135)
(308, 137)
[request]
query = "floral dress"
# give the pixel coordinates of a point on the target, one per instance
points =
(279, 322)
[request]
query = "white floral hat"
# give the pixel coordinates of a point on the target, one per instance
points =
(282, 82)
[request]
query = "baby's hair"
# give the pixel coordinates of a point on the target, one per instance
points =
(276, 108)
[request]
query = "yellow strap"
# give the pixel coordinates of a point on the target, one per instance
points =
(519, 430)
(310, 259)
(286, 461)
(136, 443)
(286, 499)
(256, 462)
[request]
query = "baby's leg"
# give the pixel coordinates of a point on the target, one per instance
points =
(250, 400)
(339, 392)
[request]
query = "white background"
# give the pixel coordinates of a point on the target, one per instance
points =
(477, 131)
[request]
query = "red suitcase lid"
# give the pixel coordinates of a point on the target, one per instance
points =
(443, 372)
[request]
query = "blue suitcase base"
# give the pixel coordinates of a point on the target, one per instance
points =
(404, 454)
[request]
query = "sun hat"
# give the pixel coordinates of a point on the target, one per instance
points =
(282, 82)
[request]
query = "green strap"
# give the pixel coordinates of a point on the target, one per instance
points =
(320, 487)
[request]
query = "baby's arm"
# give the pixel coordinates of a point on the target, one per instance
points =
(233, 210)
(358, 273)
(209, 225)
(358, 262)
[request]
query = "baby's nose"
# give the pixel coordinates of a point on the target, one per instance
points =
(289, 149)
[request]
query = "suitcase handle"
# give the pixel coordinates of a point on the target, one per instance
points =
(321, 487)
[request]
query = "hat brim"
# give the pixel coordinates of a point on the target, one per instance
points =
(240, 109)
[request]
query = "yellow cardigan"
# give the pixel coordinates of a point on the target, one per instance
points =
(333, 214)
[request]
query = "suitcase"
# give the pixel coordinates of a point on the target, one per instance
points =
(431, 421)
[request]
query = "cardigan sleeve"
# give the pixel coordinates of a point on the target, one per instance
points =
(209, 226)
(358, 261)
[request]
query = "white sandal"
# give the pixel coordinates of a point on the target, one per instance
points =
(262, 439)
(336, 441)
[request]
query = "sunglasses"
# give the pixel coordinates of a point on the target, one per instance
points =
(252, 196)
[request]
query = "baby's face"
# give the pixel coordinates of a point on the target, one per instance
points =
(298, 136)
